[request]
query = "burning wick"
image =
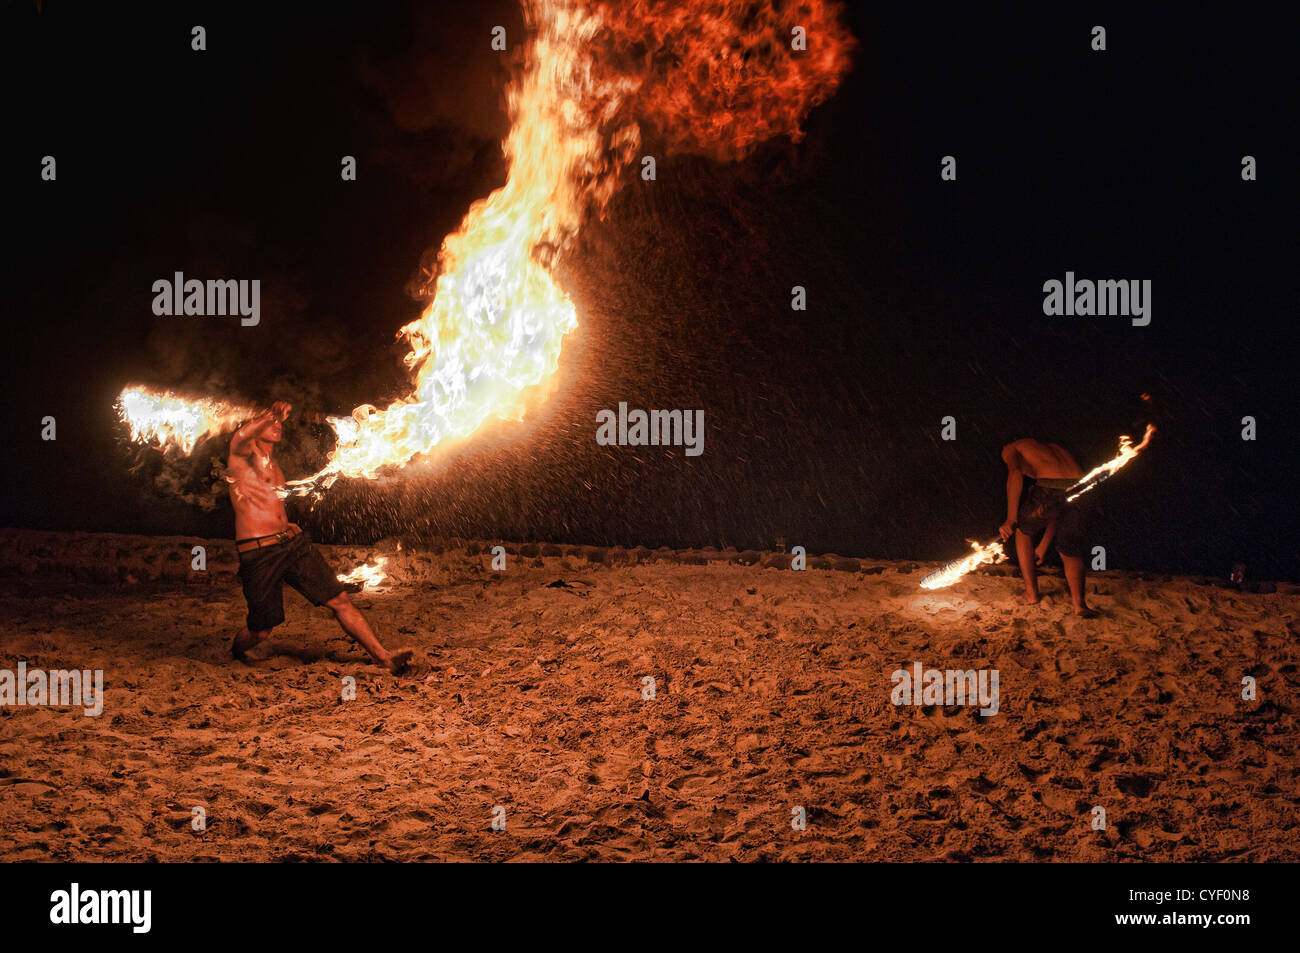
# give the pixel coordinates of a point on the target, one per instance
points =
(169, 419)
(368, 577)
(993, 552)
(989, 553)
(1126, 453)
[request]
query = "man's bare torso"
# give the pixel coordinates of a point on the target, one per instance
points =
(256, 483)
(1043, 461)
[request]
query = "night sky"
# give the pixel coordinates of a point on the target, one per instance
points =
(823, 426)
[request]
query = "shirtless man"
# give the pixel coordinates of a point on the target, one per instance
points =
(1042, 507)
(273, 551)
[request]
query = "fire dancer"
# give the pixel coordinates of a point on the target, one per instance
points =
(1042, 507)
(273, 551)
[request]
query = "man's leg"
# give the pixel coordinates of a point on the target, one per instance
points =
(259, 576)
(1076, 574)
(1071, 546)
(355, 625)
(1025, 555)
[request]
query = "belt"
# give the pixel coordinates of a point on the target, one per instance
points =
(257, 542)
(1054, 483)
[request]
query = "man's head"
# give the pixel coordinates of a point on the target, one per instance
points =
(273, 431)
(278, 415)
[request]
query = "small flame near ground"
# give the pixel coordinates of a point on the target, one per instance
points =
(368, 576)
(990, 553)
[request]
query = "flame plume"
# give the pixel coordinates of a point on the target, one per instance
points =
(497, 320)
(711, 76)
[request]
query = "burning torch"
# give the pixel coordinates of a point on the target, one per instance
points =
(165, 418)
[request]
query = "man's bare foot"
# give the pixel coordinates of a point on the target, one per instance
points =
(1085, 612)
(1029, 598)
(243, 641)
(399, 660)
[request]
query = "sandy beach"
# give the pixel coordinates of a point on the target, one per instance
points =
(771, 693)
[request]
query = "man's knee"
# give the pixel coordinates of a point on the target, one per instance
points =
(339, 604)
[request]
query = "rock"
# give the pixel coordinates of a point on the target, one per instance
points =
(748, 558)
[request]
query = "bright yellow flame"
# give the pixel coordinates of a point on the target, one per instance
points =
(369, 577)
(169, 419)
(988, 553)
(1126, 453)
(497, 320)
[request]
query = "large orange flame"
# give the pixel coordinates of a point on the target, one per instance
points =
(497, 319)
(713, 76)
(495, 326)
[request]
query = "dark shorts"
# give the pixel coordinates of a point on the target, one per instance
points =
(263, 573)
(1039, 505)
